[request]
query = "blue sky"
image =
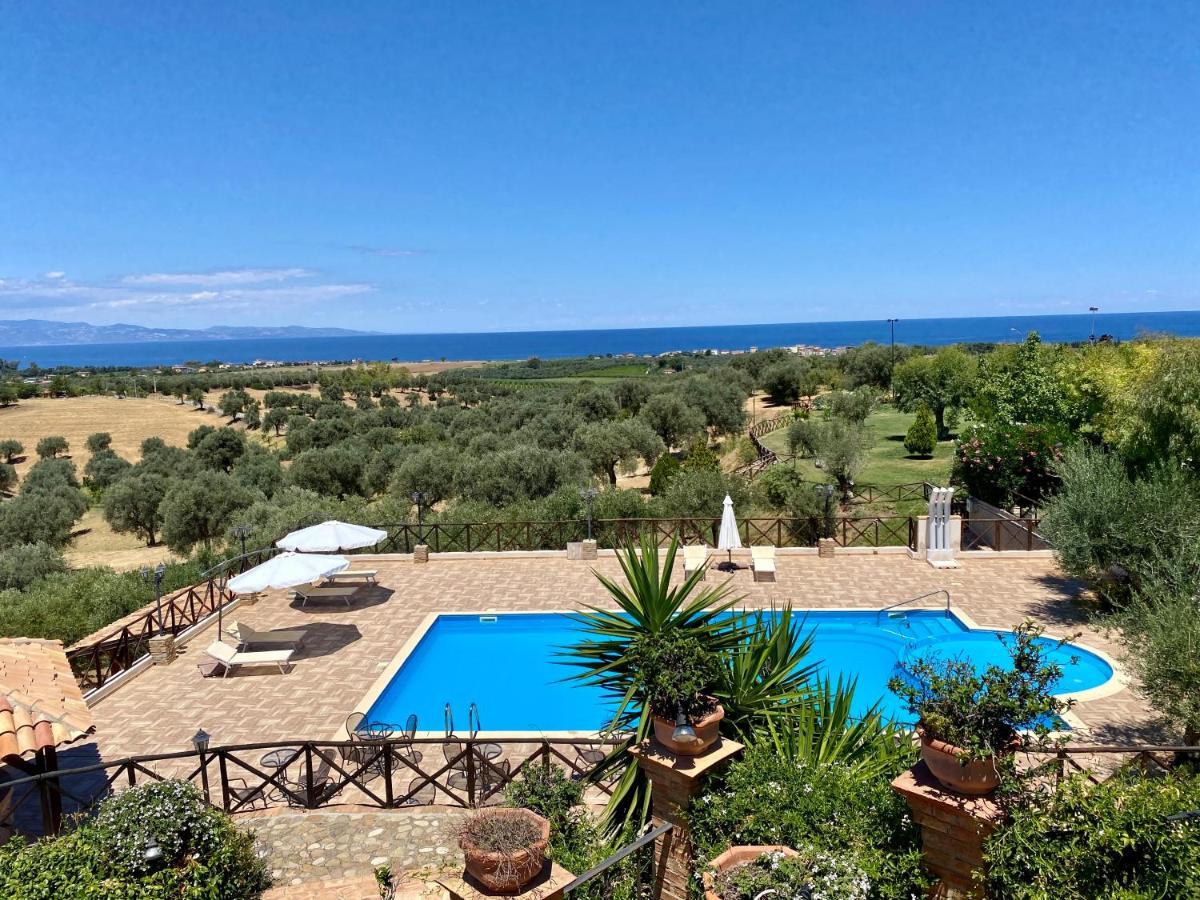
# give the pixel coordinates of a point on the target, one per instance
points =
(499, 166)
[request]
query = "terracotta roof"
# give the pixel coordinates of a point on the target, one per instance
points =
(40, 702)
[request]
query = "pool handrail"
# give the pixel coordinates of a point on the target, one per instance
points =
(914, 600)
(448, 718)
(473, 723)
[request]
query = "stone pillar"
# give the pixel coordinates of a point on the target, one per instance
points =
(247, 599)
(825, 547)
(953, 829)
(589, 549)
(162, 649)
(421, 553)
(674, 781)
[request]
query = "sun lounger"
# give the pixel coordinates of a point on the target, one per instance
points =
(694, 557)
(762, 560)
(230, 658)
(247, 635)
(341, 592)
(367, 575)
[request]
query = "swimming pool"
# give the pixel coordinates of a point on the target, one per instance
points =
(506, 665)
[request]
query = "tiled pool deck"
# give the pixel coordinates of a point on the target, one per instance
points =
(346, 649)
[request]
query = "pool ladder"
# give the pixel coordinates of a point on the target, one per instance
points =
(473, 724)
(888, 609)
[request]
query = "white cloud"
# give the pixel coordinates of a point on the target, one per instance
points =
(221, 278)
(55, 276)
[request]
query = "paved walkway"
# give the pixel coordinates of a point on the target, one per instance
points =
(342, 849)
(346, 649)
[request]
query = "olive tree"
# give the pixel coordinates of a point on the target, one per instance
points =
(8, 478)
(609, 445)
(51, 446)
(132, 505)
(99, 441)
(672, 419)
(943, 382)
(11, 449)
(104, 468)
(199, 510)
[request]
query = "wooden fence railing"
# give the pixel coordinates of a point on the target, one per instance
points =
(465, 773)
(98, 662)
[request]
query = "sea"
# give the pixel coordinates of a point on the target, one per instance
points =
(502, 345)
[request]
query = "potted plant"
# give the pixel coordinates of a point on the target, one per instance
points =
(971, 723)
(747, 873)
(675, 673)
(504, 848)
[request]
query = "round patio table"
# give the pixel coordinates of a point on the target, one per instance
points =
(278, 760)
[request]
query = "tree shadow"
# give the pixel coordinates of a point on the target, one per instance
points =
(1070, 606)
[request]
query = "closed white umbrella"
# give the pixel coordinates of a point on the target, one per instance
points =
(329, 537)
(729, 539)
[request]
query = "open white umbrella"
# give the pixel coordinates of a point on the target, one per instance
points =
(728, 539)
(283, 571)
(329, 537)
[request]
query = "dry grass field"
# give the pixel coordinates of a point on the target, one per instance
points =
(128, 421)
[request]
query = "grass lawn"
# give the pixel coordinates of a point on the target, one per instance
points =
(887, 462)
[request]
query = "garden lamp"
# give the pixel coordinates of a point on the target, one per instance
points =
(589, 497)
(156, 576)
(684, 733)
(153, 852)
(241, 532)
(200, 740)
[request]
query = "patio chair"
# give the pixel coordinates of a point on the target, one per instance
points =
(354, 720)
(248, 634)
(231, 658)
(762, 560)
(246, 796)
(367, 575)
(695, 556)
(324, 784)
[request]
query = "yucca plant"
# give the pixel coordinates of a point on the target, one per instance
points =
(647, 604)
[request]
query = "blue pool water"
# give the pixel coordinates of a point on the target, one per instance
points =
(507, 666)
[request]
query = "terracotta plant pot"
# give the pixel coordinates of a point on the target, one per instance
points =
(707, 730)
(508, 872)
(979, 776)
(735, 856)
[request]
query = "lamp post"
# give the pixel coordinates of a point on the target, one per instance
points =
(200, 741)
(1093, 310)
(418, 499)
(892, 370)
(156, 577)
(241, 532)
(826, 491)
(589, 497)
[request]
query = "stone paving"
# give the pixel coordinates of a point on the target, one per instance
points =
(346, 649)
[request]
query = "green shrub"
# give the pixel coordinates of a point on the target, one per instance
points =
(1087, 842)
(26, 563)
(104, 858)
(662, 473)
(1162, 632)
(8, 478)
(921, 439)
(674, 669)
(811, 874)
(996, 462)
(819, 809)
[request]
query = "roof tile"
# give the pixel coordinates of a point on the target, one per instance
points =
(41, 704)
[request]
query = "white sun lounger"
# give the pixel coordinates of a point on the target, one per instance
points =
(694, 557)
(248, 635)
(367, 575)
(340, 592)
(229, 657)
(762, 560)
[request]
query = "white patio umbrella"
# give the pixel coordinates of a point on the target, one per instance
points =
(331, 536)
(729, 539)
(283, 571)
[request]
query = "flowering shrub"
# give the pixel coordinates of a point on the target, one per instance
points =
(997, 462)
(816, 876)
(846, 823)
(202, 853)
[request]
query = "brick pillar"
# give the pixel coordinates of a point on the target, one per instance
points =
(589, 550)
(953, 830)
(421, 553)
(825, 548)
(674, 781)
(162, 649)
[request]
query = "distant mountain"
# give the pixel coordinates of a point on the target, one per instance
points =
(42, 332)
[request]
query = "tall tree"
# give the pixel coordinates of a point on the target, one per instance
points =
(943, 382)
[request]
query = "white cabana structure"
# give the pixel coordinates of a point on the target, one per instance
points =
(331, 536)
(728, 539)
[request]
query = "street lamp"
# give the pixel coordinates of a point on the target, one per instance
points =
(200, 741)
(589, 497)
(1093, 310)
(892, 370)
(156, 576)
(418, 499)
(241, 532)
(826, 491)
